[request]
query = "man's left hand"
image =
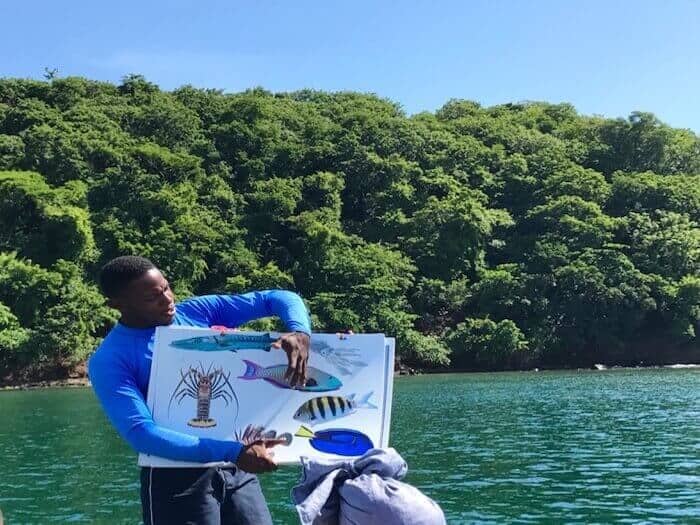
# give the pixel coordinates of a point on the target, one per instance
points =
(296, 345)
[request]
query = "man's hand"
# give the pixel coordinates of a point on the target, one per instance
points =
(296, 345)
(257, 457)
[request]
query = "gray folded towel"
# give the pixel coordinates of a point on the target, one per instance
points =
(365, 491)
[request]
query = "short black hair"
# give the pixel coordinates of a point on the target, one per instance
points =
(119, 272)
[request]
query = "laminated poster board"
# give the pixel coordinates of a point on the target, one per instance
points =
(230, 386)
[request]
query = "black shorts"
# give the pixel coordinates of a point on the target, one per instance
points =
(196, 496)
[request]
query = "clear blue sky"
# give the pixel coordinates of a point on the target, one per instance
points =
(606, 57)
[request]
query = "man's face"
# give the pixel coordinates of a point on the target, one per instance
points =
(146, 301)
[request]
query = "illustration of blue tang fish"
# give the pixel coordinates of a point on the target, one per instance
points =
(340, 441)
(225, 342)
(316, 380)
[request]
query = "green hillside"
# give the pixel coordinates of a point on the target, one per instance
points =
(513, 236)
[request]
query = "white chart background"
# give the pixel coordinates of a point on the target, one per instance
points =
(263, 403)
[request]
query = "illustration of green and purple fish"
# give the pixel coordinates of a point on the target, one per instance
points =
(340, 441)
(227, 342)
(327, 408)
(316, 380)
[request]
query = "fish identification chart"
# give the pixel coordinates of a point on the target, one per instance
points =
(230, 385)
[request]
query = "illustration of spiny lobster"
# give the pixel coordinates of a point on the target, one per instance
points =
(204, 386)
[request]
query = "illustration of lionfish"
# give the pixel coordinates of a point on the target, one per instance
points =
(253, 433)
(204, 386)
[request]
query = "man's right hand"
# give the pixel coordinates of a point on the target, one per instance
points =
(256, 457)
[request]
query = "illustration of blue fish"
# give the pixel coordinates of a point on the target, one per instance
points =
(225, 342)
(340, 441)
(316, 380)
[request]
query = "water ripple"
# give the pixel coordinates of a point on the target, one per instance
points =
(572, 447)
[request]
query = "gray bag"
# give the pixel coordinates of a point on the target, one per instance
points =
(366, 491)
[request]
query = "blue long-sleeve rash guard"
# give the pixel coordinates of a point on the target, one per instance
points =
(120, 370)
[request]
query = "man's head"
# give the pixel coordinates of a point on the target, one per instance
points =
(134, 286)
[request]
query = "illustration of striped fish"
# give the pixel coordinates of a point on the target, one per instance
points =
(327, 408)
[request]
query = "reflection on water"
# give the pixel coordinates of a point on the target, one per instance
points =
(612, 446)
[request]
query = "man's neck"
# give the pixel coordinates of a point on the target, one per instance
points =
(134, 323)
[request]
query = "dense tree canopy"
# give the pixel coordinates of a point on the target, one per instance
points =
(505, 237)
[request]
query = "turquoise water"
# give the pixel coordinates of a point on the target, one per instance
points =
(550, 447)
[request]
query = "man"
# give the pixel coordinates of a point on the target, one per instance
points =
(120, 370)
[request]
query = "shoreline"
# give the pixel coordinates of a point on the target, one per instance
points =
(69, 382)
(80, 382)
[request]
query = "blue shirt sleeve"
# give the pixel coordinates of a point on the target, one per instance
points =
(235, 310)
(115, 386)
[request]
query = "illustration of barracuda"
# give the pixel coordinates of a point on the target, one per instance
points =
(225, 342)
(346, 360)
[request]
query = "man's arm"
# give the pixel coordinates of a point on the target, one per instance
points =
(235, 310)
(127, 410)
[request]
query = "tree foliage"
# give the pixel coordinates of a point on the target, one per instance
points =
(502, 237)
